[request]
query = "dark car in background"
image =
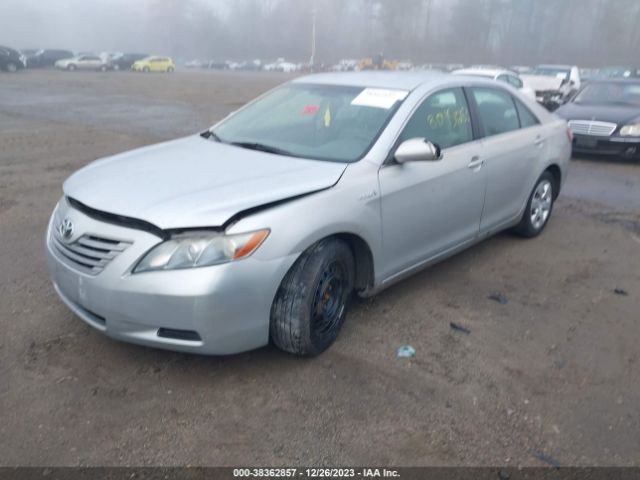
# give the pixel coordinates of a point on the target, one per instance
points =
(10, 59)
(217, 65)
(605, 117)
(617, 72)
(126, 61)
(46, 58)
(26, 53)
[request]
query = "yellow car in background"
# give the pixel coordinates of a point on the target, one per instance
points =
(154, 64)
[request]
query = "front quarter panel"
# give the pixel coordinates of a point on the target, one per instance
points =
(352, 206)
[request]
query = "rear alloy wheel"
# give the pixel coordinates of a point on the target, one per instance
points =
(146, 70)
(311, 304)
(103, 68)
(170, 70)
(539, 207)
(12, 67)
(71, 67)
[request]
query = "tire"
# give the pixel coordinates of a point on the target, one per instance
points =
(539, 207)
(170, 70)
(12, 67)
(311, 303)
(103, 68)
(146, 70)
(71, 67)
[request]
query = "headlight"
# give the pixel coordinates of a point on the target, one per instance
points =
(200, 249)
(630, 130)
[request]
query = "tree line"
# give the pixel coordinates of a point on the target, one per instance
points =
(585, 32)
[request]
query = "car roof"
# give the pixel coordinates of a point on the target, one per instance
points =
(485, 72)
(548, 65)
(630, 80)
(391, 80)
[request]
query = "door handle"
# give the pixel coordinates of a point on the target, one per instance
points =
(476, 163)
(539, 141)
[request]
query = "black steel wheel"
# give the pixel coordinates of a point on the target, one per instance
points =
(311, 304)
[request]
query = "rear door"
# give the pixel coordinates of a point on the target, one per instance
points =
(512, 144)
(431, 207)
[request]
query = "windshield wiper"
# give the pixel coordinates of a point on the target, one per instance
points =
(261, 147)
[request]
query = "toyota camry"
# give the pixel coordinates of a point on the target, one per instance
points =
(263, 227)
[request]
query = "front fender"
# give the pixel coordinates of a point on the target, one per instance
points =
(350, 207)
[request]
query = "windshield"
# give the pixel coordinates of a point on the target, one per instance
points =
(616, 72)
(610, 93)
(552, 72)
(323, 122)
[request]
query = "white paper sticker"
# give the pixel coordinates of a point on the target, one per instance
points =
(379, 98)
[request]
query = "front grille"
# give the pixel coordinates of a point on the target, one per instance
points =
(89, 253)
(588, 127)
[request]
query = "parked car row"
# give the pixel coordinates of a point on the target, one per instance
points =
(12, 60)
(280, 65)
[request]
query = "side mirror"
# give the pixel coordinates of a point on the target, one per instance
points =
(417, 150)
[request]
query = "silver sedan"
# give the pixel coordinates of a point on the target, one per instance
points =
(263, 227)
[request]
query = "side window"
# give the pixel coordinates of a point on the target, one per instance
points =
(527, 119)
(443, 119)
(503, 78)
(515, 81)
(497, 110)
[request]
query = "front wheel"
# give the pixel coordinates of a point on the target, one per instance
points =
(12, 67)
(146, 70)
(311, 303)
(170, 70)
(71, 67)
(539, 207)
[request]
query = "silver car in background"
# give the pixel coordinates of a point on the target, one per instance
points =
(261, 228)
(82, 62)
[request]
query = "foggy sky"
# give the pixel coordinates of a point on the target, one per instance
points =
(507, 32)
(93, 25)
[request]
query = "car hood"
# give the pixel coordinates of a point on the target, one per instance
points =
(619, 114)
(194, 182)
(541, 83)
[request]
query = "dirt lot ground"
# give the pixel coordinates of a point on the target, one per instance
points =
(553, 375)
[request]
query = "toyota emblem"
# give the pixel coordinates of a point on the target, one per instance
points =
(65, 229)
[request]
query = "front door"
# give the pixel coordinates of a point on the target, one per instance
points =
(431, 207)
